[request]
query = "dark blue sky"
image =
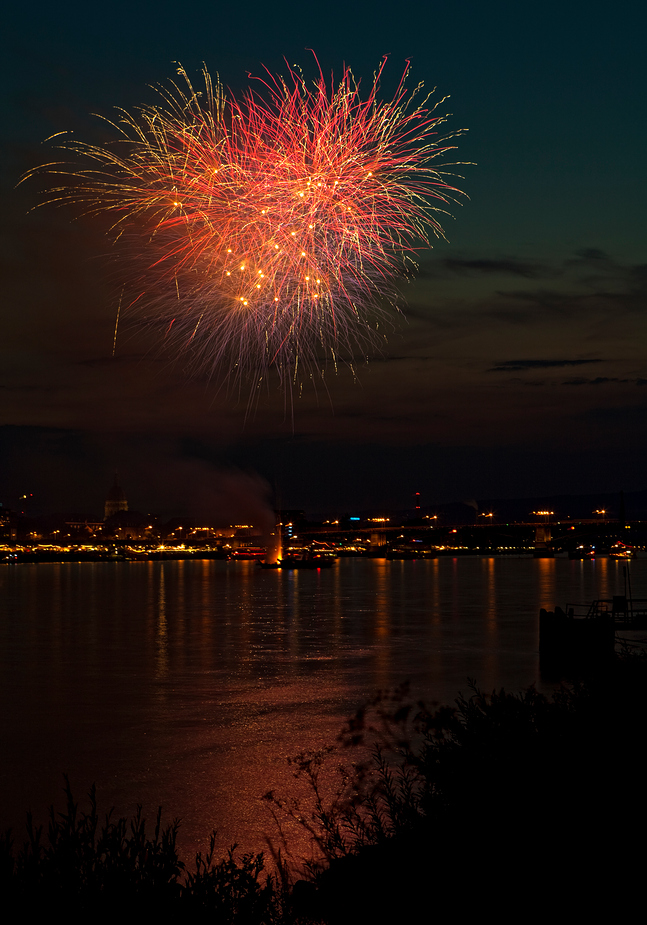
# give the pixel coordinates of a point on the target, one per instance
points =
(523, 362)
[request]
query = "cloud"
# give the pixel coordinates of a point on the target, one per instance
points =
(588, 255)
(510, 266)
(404, 358)
(514, 366)
(603, 380)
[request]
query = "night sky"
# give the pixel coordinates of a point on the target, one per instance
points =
(521, 366)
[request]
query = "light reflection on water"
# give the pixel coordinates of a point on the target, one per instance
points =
(190, 683)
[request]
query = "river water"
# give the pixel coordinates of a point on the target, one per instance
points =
(190, 683)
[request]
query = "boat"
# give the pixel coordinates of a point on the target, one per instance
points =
(247, 553)
(582, 552)
(409, 554)
(622, 551)
(307, 557)
(308, 561)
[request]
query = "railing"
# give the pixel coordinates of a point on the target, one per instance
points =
(622, 609)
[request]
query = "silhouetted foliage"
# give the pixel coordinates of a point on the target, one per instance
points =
(233, 890)
(80, 862)
(505, 801)
(84, 868)
(517, 804)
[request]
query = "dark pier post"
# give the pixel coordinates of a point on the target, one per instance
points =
(569, 643)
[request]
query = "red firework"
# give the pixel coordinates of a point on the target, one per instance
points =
(273, 228)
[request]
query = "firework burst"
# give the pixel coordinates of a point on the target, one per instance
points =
(270, 230)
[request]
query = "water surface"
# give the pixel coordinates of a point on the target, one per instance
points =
(189, 683)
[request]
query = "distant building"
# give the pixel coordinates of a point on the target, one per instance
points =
(8, 525)
(115, 502)
(83, 529)
(289, 522)
(129, 525)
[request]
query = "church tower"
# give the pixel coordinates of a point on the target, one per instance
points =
(115, 501)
